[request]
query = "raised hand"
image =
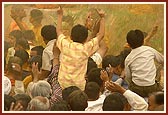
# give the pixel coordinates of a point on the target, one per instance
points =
(101, 13)
(60, 11)
(104, 75)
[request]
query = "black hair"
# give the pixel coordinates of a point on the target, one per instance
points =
(36, 59)
(159, 97)
(17, 34)
(29, 35)
(23, 43)
(24, 99)
(39, 50)
(92, 89)
(8, 101)
(67, 91)
(135, 38)
(79, 33)
(94, 76)
(60, 106)
(14, 59)
(91, 64)
(123, 54)
(48, 32)
(114, 61)
(113, 103)
(78, 100)
(22, 54)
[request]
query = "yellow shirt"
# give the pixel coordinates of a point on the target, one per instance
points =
(39, 38)
(27, 80)
(73, 62)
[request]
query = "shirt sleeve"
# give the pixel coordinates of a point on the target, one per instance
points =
(137, 102)
(92, 46)
(46, 64)
(158, 56)
(60, 40)
(128, 75)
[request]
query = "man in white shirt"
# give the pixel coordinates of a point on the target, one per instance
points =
(140, 66)
(48, 32)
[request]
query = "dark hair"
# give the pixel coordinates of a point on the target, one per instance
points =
(123, 55)
(29, 35)
(14, 59)
(113, 103)
(92, 89)
(38, 49)
(79, 33)
(60, 106)
(36, 59)
(94, 76)
(91, 64)
(78, 100)
(8, 101)
(23, 43)
(48, 32)
(22, 54)
(114, 61)
(36, 15)
(67, 91)
(24, 99)
(159, 97)
(17, 34)
(135, 38)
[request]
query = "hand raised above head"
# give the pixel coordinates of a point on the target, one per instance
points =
(60, 11)
(101, 13)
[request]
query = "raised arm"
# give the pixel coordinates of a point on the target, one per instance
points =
(59, 21)
(101, 32)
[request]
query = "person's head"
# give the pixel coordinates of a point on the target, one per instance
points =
(113, 102)
(8, 101)
(155, 100)
(123, 54)
(22, 44)
(39, 103)
(91, 64)
(18, 10)
(36, 17)
(114, 61)
(92, 89)
(11, 62)
(79, 33)
(23, 55)
(41, 88)
(135, 38)
(14, 35)
(23, 99)
(7, 85)
(94, 76)
(67, 91)
(48, 32)
(78, 100)
(29, 35)
(36, 59)
(37, 50)
(60, 106)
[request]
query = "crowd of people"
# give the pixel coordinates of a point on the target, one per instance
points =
(44, 70)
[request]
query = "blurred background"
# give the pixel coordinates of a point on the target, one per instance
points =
(120, 18)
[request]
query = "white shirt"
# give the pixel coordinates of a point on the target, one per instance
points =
(136, 102)
(140, 66)
(96, 105)
(48, 56)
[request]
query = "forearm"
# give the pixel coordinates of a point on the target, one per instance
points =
(20, 24)
(59, 25)
(102, 29)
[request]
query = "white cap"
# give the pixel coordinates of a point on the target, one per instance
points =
(7, 85)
